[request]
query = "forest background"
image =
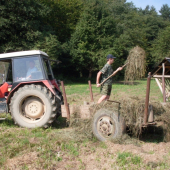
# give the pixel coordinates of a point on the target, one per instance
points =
(80, 33)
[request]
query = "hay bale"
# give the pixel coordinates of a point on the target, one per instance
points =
(132, 109)
(136, 64)
(165, 118)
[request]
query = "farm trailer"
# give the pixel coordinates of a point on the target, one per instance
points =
(110, 124)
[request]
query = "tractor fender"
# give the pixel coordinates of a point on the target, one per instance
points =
(47, 83)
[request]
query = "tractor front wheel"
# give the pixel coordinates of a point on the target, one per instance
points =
(33, 106)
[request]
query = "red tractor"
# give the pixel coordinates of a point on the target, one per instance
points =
(28, 89)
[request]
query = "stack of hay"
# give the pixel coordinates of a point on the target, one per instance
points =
(132, 110)
(136, 64)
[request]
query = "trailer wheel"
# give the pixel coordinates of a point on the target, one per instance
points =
(108, 125)
(33, 106)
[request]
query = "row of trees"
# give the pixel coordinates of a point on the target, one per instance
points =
(80, 33)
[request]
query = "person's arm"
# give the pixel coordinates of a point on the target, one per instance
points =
(30, 72)
(117, 70)
(98, 78)
(28, 77)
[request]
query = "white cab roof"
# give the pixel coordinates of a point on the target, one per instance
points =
(22, 53)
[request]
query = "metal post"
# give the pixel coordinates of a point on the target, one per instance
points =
(65, 101)
(163, 82)
(91, 93)
(147, 98)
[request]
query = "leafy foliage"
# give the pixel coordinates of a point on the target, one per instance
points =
(161, 45)
(21, 24)
(62, 16)
(165, 11)
(93, 36)
(81, 33)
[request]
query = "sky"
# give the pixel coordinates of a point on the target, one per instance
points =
(156, 3)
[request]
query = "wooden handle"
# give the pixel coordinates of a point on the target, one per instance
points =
(125, 65)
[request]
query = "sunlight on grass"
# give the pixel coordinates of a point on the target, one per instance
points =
(119, 89)
(128, 158)
(52, 146)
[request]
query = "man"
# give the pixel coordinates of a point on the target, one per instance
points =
(106, 71)
(31, 69)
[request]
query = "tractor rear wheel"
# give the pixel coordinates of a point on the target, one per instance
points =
(108, 125)
(33, 106)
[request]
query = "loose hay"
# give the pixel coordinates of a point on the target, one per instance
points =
(135, 69)
(132, 110)
(165, 118)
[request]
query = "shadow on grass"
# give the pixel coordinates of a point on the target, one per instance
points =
(122, 82)
(127, 83)
(152, 134)
(136, 82)
(115, 82)
(57, 124)
(60, 123)
(7, 122)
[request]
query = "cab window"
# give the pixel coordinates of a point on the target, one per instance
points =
(47, 69)
(26, 69)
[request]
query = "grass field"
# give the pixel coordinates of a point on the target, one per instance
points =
(119, 89)
(60, 148)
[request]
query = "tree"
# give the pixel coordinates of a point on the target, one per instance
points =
(165, 12)
(50, 45)
(93, 37)
(149, 10)
(138, 27)
(63, 16)
(21, 24)
(161, 45)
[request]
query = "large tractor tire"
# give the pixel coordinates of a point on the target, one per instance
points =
(33, 106)
(108, 125)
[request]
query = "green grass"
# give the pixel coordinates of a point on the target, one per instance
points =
(119, 89)
(128, 158)
(139, 89)
(54, 147)
(71, 147)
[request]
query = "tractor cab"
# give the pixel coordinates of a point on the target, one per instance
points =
(25, 66)
(27, 70)
(20, 67)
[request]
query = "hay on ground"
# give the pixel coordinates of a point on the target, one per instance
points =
(132, 109)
